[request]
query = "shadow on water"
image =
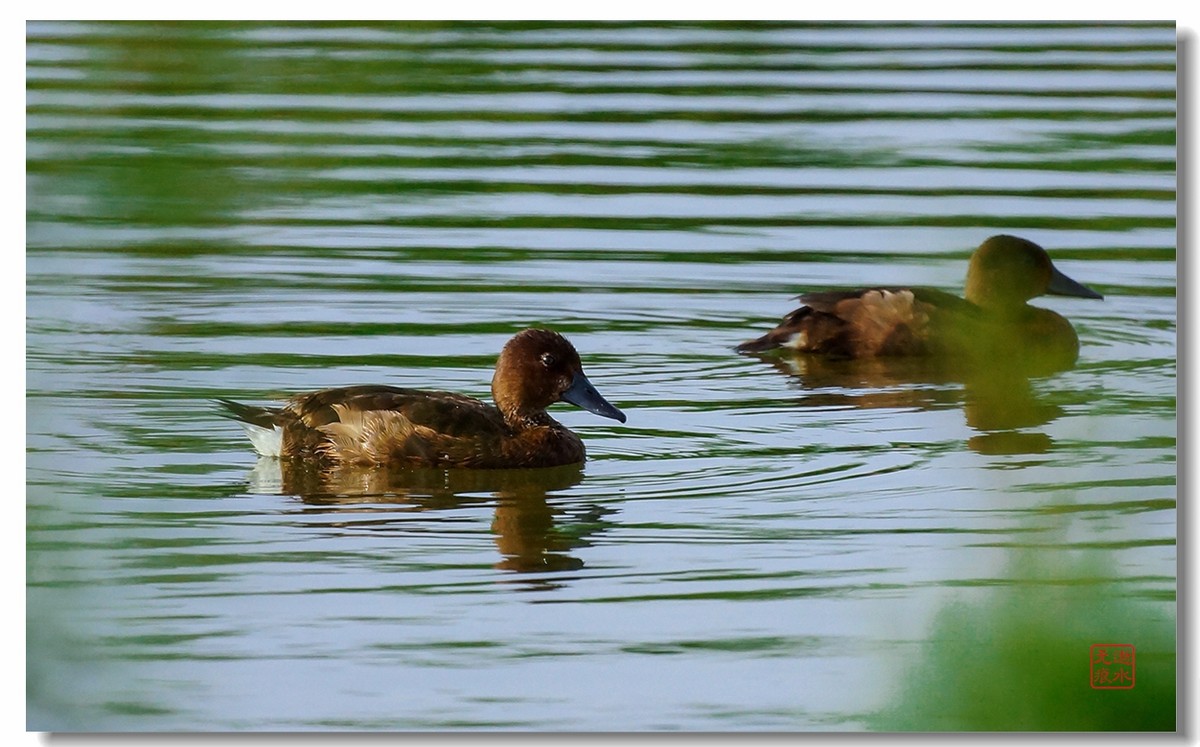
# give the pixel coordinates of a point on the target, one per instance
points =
(530, 533)
(999, 402)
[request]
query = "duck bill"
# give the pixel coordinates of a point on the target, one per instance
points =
(581, 393)
(1061, 285)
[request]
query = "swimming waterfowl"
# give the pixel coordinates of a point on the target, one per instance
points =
(993, 323)
(386, 425)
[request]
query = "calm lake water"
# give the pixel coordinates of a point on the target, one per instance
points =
(768, 544)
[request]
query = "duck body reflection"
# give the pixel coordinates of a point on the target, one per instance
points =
(993, 323)
(530, 533)
(998, 402)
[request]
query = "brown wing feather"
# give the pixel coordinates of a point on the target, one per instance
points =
(388, 437)
(381, 424)
(446, 412)
(884, 322)
(860, 323)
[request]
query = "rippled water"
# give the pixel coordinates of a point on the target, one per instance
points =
(767, 544)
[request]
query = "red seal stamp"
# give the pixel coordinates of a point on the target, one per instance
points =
(1113, 666)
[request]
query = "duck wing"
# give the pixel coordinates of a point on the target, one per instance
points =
(863, 322)
(828, 301)
(447, 412)
(377, 424)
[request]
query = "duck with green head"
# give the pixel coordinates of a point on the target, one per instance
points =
(993, 324)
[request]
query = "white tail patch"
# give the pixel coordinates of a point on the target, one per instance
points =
(267, 442)
(797, 341)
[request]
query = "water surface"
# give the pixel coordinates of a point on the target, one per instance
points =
(768, 544)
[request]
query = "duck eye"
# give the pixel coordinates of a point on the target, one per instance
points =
(548, 360)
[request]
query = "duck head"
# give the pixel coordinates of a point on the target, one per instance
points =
(1007, 271)
(537, 368)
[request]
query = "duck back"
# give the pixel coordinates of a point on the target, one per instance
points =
(377, 424)
(865, 323)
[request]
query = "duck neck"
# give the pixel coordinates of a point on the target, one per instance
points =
(998, 293)
(519, 420)
(1005, 310)
(1008, 310)
(515, 415)
(996, 304)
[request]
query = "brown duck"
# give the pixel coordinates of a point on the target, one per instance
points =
(386, 425)
(993, 324)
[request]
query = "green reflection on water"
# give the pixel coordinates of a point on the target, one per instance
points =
(1018, 659)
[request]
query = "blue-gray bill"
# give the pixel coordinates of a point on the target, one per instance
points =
(1061, 285)
(581, 393)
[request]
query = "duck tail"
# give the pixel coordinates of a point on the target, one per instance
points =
(263, 417)
(259, 424)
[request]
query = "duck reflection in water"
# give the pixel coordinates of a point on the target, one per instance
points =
(1000, 404)
(887, 339)
(350, 449)
(530, 533)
